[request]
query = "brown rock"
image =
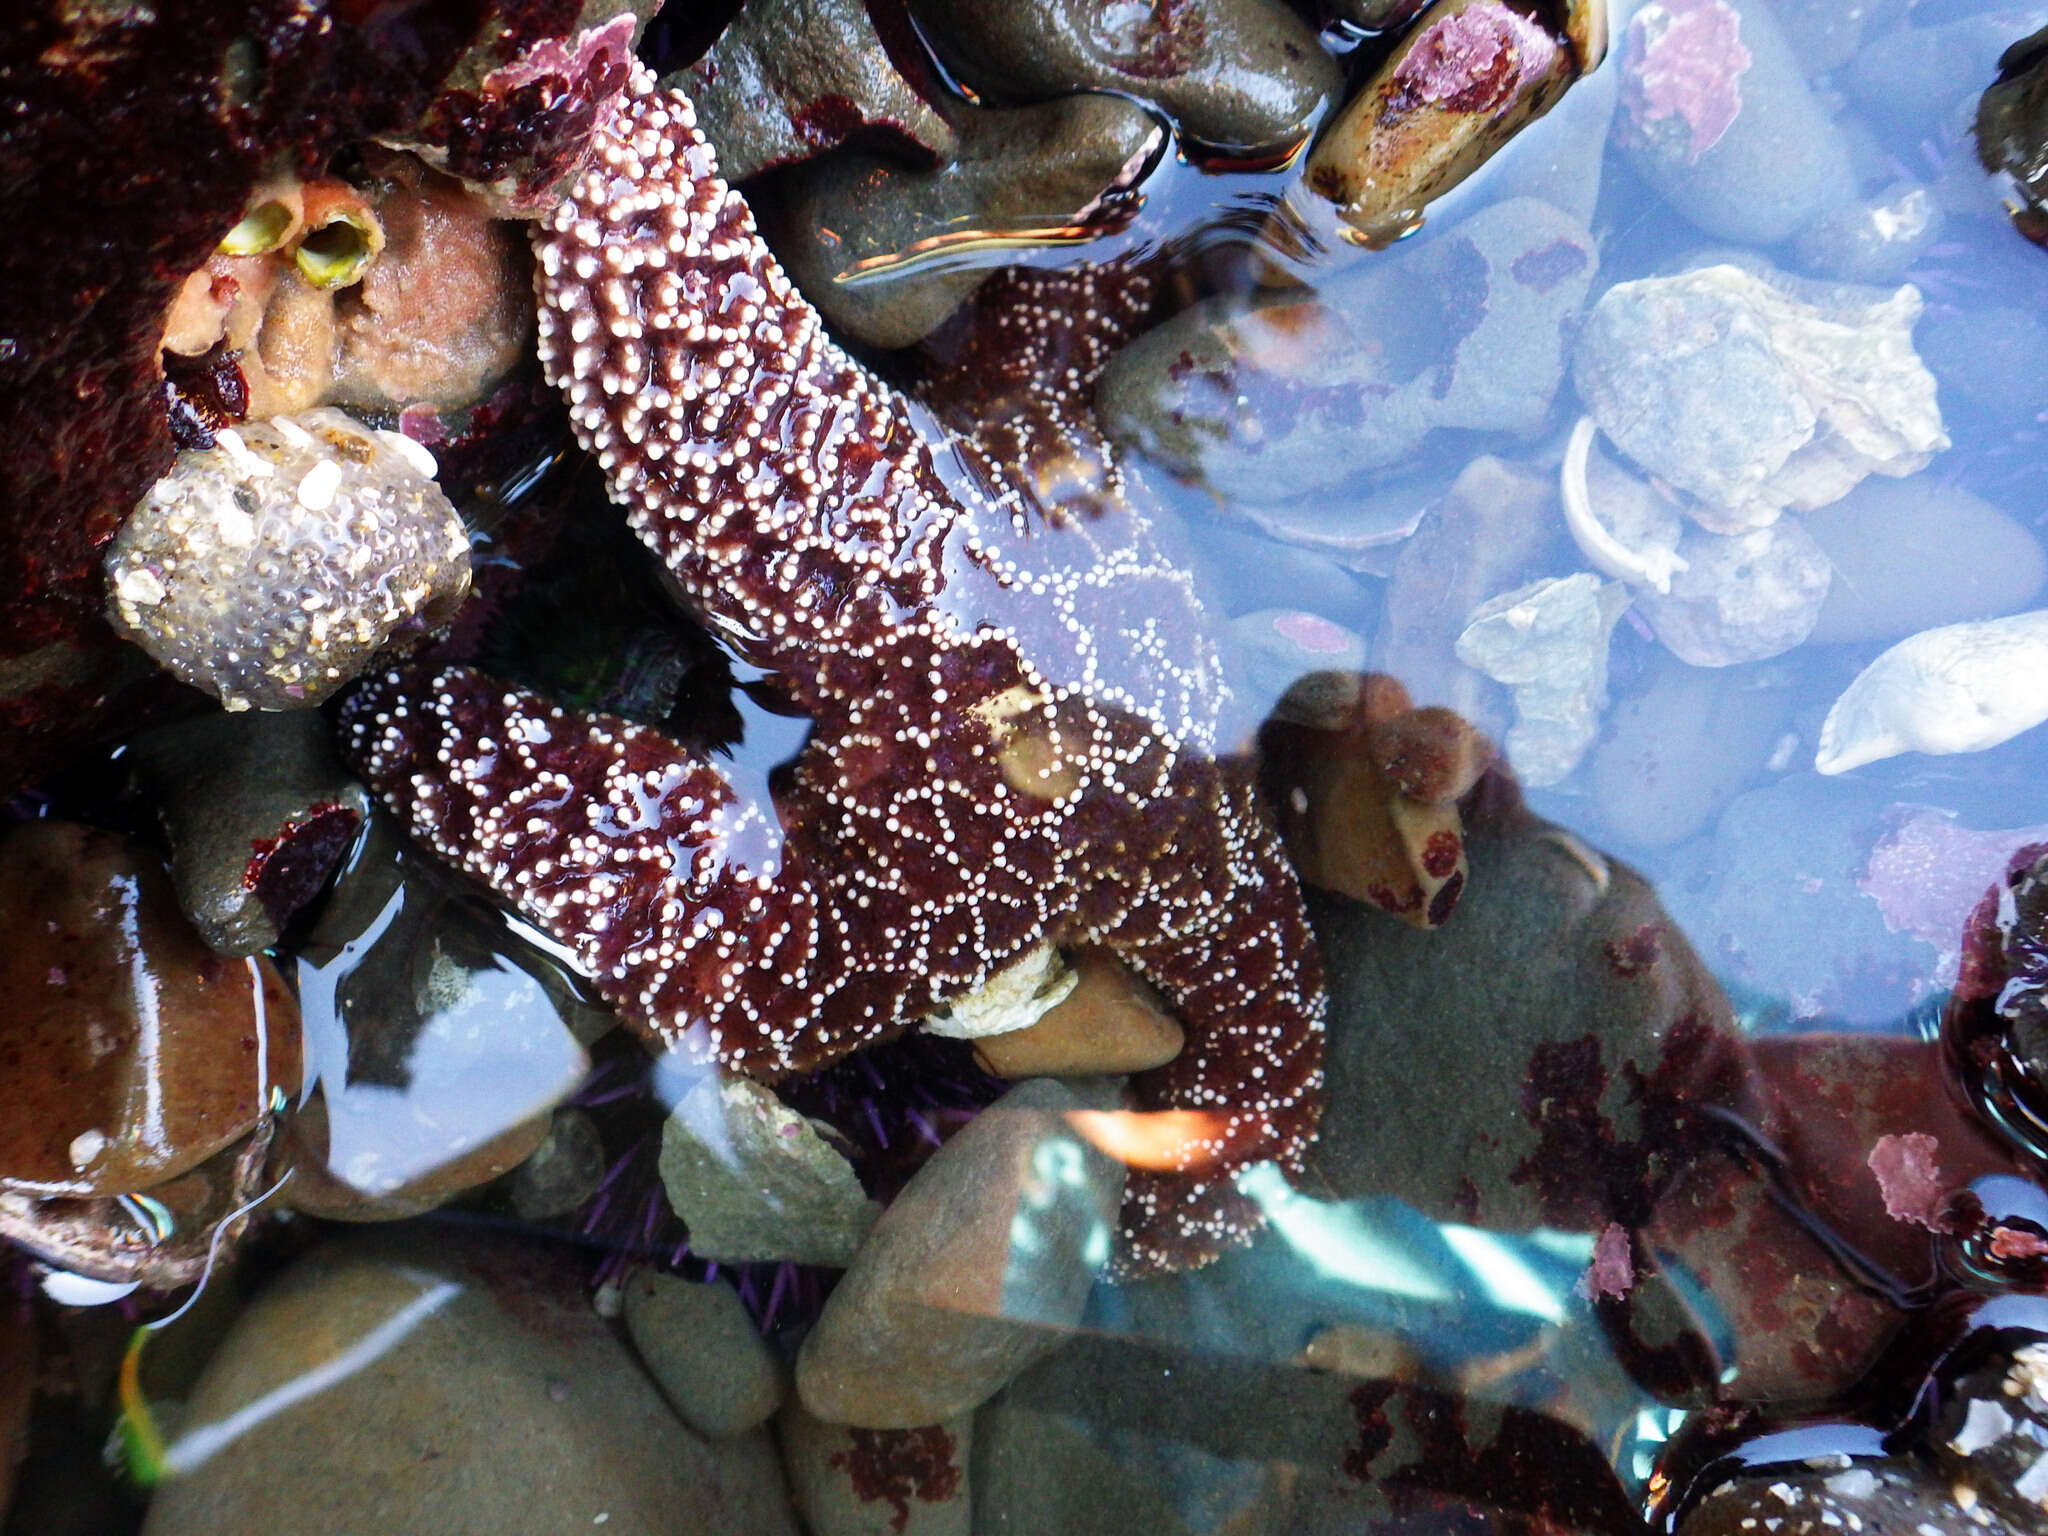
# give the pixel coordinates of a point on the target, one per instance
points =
(1110, 1024)
(129, 1051)
(942, 1305)
(319, 1189)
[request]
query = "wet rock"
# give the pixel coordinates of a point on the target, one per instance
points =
(1589, 1036)
(1548, 643)
(1298, 394)
(1676, 753)
(445, 311)
(1741, 597)
(133, 1053)
(1913, 80)
(1881, 1497)
(1366, 790)
(258, 811)
(788, 79)
(704, 1352)
(1755, 395)
(1110, 1023)
(1486, 535)
(18, 1356)
(561, 1174)
(270, 569)
(1245, 74)
(1915, 553)
(976, 1269)
(1996, 359)
(1958, 688)
(753, 1180)
(1023, 175)
(1356, 532)
(1460, 84)
(437, 1040)
(1872, 240)
(878, 1482)
(465, 1388)
(2012, 125)
(1716, 115)
(1825, 36)
(1044, 1474)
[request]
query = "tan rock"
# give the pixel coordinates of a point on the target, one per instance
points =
(878, 1482)
(1111, 1023)
(980, 1266)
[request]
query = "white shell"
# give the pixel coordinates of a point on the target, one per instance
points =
(1959, 688)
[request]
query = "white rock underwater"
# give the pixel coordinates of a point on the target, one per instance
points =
(1959, 688)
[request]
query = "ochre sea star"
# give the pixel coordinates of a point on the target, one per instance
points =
(1012, 702)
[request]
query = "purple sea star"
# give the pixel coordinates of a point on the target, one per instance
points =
(1012, 699)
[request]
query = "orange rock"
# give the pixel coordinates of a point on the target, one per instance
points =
(129, 1051)
(1112, 1022)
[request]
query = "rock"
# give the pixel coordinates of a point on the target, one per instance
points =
(17, 1381)
(878, 1482)
(561, 1174)
(1296, 395)
(1996, 359)
(1677, 752)
(1044, 1474)
(1741, 597)
(133, 1053)
(976, 1269)
(1958, 688)
(1825, 36)
(258, 811)
(1237, 74)
(437, 1040)
(1754, 394)
(704, 1352)
(1357, 532)
(1589, 1037)
(1913, 79)
(1048, 168)
(1780, 910)
(1488, 534)
(386, 1387)
(1548, 643)
(1873, 240)
(754, 1181)
(270, 569)
(1716, 115)
(788, 79)
(1110, 1023)
(1461, 83)
(1915, 553)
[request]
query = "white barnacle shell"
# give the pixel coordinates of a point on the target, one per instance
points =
(1959, 688)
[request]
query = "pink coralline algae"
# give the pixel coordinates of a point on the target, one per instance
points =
(1471, 61)
(1908, 1174)
(1927, 873)
(1012, 709)
(1684, 59)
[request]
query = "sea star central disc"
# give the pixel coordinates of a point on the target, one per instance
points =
(1012, 707)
